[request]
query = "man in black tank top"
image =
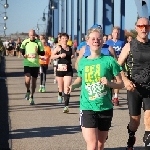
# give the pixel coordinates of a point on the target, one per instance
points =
(137, 54)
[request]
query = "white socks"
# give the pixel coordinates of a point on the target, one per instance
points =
(42, 86)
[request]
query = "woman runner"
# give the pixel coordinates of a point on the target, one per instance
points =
(64, 71)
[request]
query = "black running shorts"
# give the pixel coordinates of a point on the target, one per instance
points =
(69, 72)
(33, 71)
(135, 100)
(96, 119)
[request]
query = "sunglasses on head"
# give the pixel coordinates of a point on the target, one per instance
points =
(143, 26)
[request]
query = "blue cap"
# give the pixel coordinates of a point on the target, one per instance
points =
(96, 26)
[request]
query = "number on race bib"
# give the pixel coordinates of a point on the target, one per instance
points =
(62, 67)
(33, 56)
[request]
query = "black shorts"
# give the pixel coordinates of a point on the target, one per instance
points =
(33, 71)
(96, 119)
(69, 72)
(18, 49)
(135, 100)
(54, 65)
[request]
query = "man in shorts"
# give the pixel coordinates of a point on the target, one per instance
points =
(31, 48)
(137, 54)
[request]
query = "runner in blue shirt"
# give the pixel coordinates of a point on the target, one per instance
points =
(82, 43)
(117, 45)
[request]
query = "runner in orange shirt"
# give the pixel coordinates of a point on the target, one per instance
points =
(44, 61)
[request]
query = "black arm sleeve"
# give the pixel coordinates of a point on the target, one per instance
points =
(22, 51)
(42, 53)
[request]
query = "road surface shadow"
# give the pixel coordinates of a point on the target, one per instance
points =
(15, 74)
(123, 148)
(44, 132)
(42, 106)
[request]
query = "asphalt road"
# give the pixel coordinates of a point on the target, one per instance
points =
(43, 126)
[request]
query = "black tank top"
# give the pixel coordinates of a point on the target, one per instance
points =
(18, 45)
(67, 59)
(138, 63)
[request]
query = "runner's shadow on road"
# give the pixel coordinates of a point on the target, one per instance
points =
(123, 148)
(15, 74)
(44, 132)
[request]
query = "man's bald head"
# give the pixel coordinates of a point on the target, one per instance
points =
(32, 35)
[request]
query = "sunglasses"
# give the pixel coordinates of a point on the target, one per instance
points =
(143, 26)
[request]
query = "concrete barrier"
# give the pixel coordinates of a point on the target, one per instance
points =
(0, 57)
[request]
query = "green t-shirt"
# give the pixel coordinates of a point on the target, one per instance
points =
(95, 96)
(33, 58)
(52, 39)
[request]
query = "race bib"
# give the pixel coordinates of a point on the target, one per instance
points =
(62, 67)
(32, 56)
(95, 90)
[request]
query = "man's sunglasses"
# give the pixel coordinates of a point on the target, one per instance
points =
(143, 26)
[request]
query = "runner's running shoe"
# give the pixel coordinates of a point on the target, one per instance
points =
(31, 101)
(66, 110)
(27, 96)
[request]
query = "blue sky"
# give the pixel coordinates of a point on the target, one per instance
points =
(24, 14)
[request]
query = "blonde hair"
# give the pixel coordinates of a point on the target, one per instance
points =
(91, 30)
(116, 27)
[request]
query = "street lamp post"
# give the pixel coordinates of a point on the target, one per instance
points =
(50, 23)
(6, 5)
(62, 14)
(44, 18)
(4, 26)
(5, 16)
(37, 26)
(3, 31)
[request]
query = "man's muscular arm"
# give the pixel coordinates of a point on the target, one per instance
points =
(121, 60)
